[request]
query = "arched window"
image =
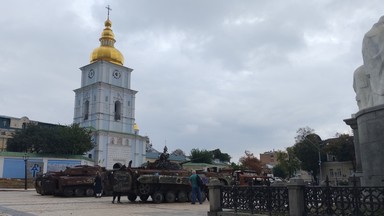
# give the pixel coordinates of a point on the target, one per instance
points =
(86, 110)
(117, 110)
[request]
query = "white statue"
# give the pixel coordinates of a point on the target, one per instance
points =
(362, 88)
(373, 57)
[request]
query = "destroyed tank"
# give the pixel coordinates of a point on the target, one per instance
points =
(73, 181)
(162, 180)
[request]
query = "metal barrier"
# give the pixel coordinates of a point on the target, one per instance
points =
(255, 199)
(313, 201)
(341, 200)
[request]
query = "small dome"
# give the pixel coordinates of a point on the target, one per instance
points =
(107, 51)
(135, 127)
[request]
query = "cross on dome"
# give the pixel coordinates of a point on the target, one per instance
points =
(109, 9)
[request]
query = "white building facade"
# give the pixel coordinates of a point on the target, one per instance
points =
(105, 103)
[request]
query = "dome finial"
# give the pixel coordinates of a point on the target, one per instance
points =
(107, 51)
(109, 9)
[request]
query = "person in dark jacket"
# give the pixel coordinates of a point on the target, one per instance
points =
(195, 187)
(98, 187)
(115, 193)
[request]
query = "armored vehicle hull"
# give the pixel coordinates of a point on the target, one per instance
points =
(73, 181)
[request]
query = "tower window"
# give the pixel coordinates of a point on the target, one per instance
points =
(86, 110)
(117, 110)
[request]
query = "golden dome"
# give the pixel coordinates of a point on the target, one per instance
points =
(135, 127)
(107, 51)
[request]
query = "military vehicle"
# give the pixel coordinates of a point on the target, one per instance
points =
(249, 178)
(73, 181)
(161, 180)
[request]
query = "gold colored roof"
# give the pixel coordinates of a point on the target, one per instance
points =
(107, 51)
(135, 127)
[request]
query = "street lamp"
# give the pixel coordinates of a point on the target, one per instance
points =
(25, 158)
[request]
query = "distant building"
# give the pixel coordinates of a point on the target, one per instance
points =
(9, 126)
(338, 173)
(152, 155)
(268, 161)
(269, 157)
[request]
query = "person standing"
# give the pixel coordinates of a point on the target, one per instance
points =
(116, 194)
(98, 187)
(193, 179)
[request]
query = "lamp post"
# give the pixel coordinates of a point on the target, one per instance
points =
(25, 158)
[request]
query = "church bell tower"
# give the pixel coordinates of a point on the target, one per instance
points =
(105, 103)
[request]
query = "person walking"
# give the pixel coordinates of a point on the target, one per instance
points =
(98, 187)
(194, 180)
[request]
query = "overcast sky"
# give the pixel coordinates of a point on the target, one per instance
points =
(235, 75)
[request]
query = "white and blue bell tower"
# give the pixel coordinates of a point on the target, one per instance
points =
(105, 103)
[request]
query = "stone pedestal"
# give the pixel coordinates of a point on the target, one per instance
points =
(369, 144)
(296, 196)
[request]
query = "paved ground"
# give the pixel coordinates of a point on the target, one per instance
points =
(28, 203)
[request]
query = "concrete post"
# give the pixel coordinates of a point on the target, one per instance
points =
(214, 198)
(296, 196)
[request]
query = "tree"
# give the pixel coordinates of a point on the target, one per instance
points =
(288, 161)
(301, 133)
(249, 161)
(223, 157)
(201, 156)
(235, 166)
(279, 171)
(307, 151)
(342, 147)
(71, 139)
(178, 152)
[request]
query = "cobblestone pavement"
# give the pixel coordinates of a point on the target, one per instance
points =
(28, 203)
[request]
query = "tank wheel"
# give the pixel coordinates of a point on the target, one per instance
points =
(79, 192)
(144, 189)
(67, 192)
(144, 198)
(132, 197)
(89, 192)
(182, 196)
(170, 197)
(157, 197)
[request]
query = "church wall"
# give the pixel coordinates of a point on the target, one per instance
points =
(118, 153)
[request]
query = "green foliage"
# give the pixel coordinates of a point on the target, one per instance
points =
(288, 161)
(223, 157)
(235, 166)
(279, 171)
(342, 147)
(249, 161)
(301, 133)
(71, 139)
(201, 156)
(307, 151)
